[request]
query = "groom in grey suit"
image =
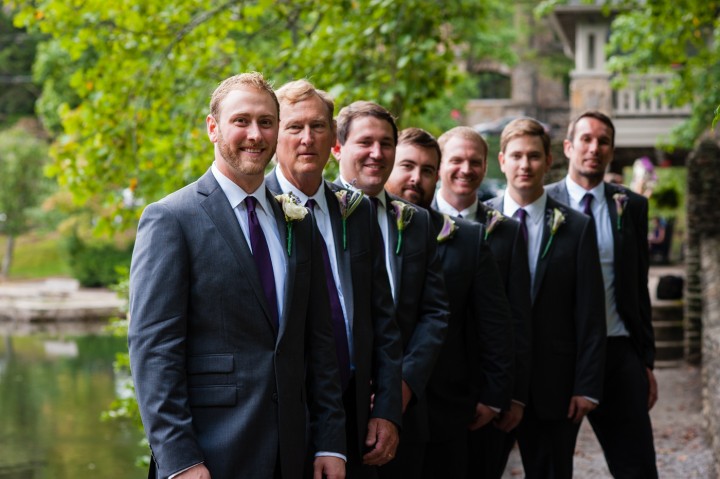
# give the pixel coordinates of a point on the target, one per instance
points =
(230, 340)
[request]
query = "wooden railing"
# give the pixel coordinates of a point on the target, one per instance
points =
(641, 98)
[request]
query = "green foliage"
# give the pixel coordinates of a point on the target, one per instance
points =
(131, 79)
(96, 263)
(37, 257)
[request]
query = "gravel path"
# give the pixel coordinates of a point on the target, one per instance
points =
(683, 451)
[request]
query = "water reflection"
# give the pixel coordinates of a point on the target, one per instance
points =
(52, 392)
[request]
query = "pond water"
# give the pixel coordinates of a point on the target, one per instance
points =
(53, 390)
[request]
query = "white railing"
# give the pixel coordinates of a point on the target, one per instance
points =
(641, 98)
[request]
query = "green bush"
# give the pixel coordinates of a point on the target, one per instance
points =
(95, 263)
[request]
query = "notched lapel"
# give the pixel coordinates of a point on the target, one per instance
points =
(542, 262)
(617, 233)
(343, 255)
(393, 237)
(290, 264)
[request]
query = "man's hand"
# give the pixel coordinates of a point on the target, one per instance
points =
(508, 420)
(329, 467)
(406, 395)
(579, 407)
(483, 415)
(652, 389)
(383, 438)
(196, 472)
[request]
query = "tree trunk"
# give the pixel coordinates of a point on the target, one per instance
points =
(7, 259)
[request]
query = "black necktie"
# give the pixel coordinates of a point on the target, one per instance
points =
(261, 255)
(521, 214)
(586, 203)
(338, 319)
(375, 202)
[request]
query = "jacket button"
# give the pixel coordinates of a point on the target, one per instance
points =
(275, 397)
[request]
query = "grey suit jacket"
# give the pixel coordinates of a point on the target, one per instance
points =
(631, 263)
(215, 380)
(568, 315)
(369, 305)
(476, 360)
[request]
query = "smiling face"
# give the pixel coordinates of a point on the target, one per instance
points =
(366, 159)
(245, 135)
(462, 170)
(525, 163)
(589, 152)
(415, 174)
(307, 133)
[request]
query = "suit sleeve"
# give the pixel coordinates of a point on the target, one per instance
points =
(159, 289)
(327, 415)
(427, 338)
(492, 318)
(647, 340)
(590, 323)
(387, 342)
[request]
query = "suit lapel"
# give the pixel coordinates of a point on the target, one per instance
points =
(290, 265)
(617, 233)
(343, 255)
(218, 209)
(542, 263)
(397, 259)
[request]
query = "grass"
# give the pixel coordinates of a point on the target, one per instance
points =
(37, 256)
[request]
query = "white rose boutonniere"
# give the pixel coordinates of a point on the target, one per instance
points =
(293, 211)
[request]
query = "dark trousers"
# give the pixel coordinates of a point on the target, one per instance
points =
(446, 459)
(622, 421)
(488, 452)
(547, 447)
(408, 462)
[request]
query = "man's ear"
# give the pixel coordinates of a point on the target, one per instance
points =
(336, 149)
(501, 160)
(212, 128)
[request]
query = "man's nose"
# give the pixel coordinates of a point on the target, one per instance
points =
(307, 137)
(376, 150)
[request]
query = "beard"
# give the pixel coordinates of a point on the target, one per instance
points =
(244, 166)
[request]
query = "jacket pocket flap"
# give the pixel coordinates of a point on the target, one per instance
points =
(211, 363)
(213, 396)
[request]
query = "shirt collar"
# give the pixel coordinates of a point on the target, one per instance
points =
(237, 195)
(535, 210)
(445, 207)
(576, 192)
(319, 195)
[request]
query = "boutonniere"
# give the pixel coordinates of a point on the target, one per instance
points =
(494, 218)
(448, 229)
(293, 211)
(348, 200)
(621, 200)
(556, 220)
(403, 214)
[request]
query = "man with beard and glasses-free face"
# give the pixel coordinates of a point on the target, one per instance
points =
(464, 156)
(472, 379)
(622, 420)
(230, 329)
(368, 340)
(367, 137)
(568, 305)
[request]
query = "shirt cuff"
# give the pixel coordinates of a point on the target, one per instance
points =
(592, 400)
(519, 403)
(186, 469)
(330, 454)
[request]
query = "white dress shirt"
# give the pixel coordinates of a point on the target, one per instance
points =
(606, 248)
(534, 223)
(469, 213)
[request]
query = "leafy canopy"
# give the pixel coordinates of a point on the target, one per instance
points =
(131, 79)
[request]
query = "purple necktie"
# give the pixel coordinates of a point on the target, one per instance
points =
(261, 255)
(586, 203)
(521, 214)
(338, 319)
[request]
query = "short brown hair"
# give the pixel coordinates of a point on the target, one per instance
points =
(421, 139)
(466, 133)
(524, 127)
(301, 90)
(251, 79)
(598, 115)
(361, 109)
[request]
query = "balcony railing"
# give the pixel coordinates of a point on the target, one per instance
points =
(642, 98)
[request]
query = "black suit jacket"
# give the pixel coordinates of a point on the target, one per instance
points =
(568, 315)
(216, 380)
(631, 264)
(376, 338)
(476, 361)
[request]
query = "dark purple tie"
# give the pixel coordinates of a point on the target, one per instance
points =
(338, 319)
(521, 214)
(261, 255)
(586, 203)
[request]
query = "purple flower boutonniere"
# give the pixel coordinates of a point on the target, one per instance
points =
(348, 200)
(621, 200)
(448, 229)
(556, 219)
(403, 215)
(293, 211)
(494, 218)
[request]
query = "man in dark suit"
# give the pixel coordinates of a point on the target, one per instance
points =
(622, 420)
(230, 336)
(568, 305)
(462, 169)
(368, 341)
(472, 379)
(367, 137)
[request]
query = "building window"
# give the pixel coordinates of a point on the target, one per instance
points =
(591, 52)
(493, 85)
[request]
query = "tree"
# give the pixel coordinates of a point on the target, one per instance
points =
(22, 184)
(141, 72)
